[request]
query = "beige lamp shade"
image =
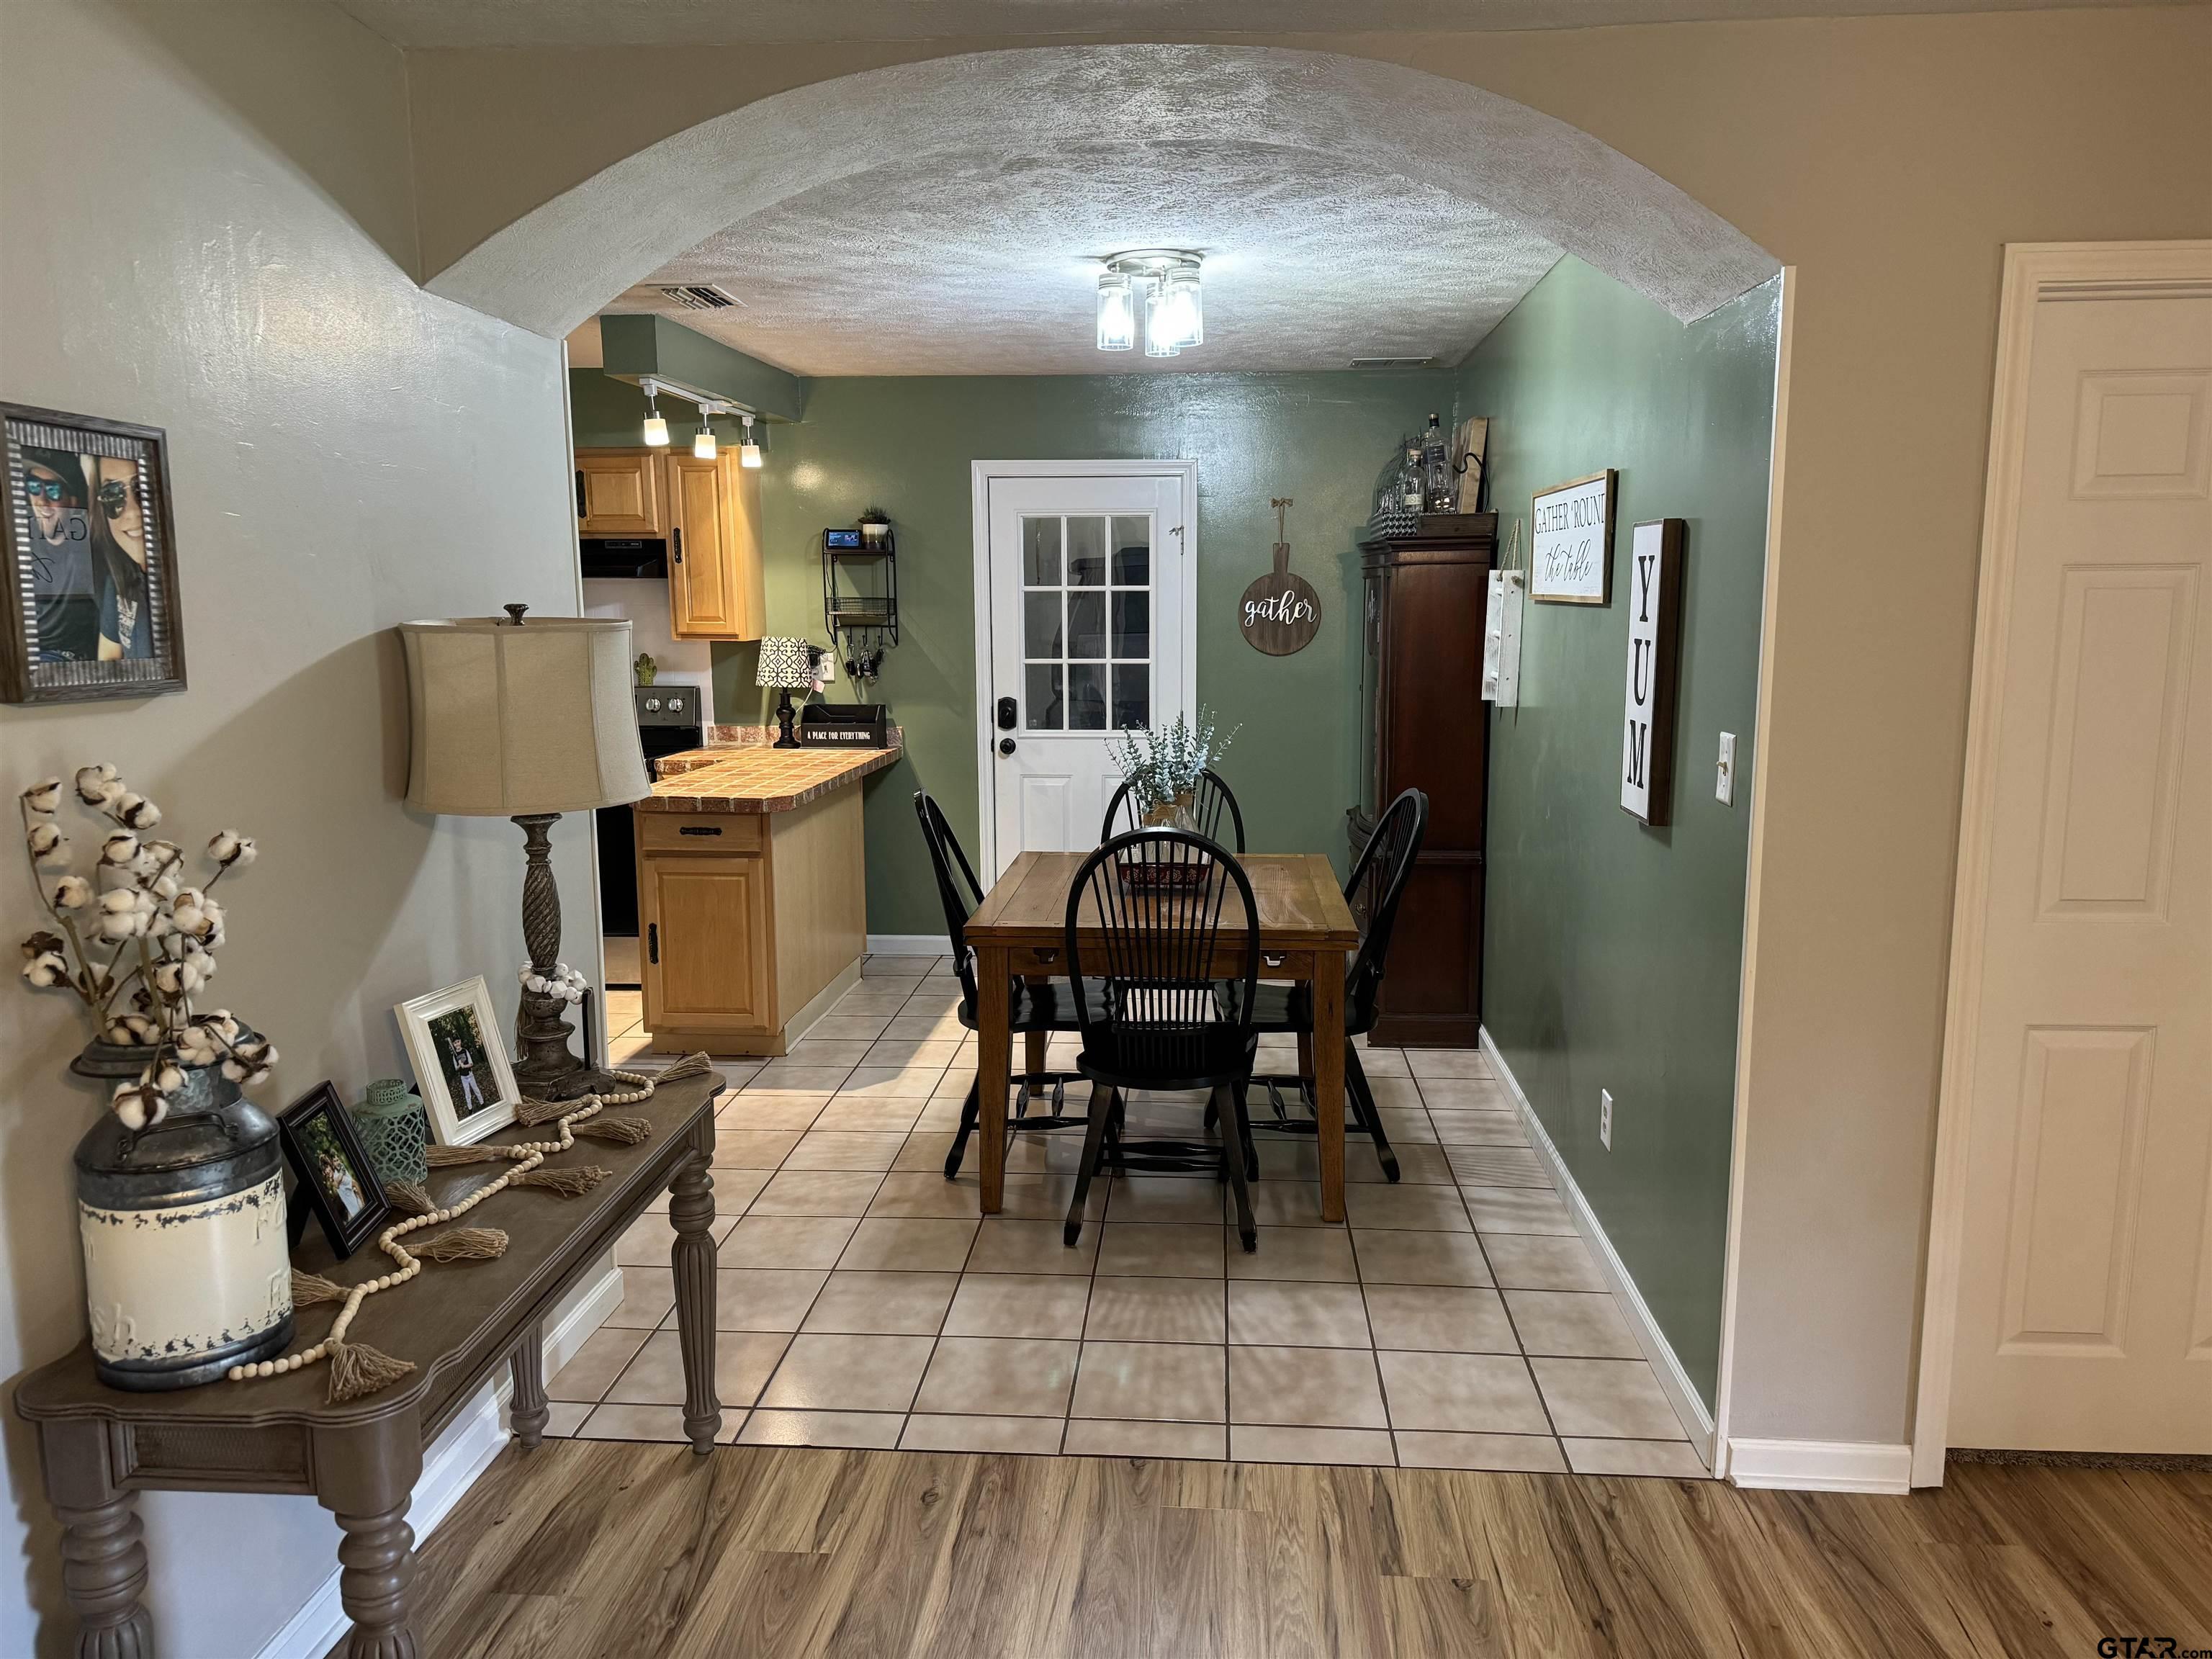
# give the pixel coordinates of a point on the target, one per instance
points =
(514, 717)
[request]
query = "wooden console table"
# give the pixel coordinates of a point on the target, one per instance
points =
(459, 1322)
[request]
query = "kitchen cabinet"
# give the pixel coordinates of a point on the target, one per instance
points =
(618, 493)
(716, 587)
(707, 512)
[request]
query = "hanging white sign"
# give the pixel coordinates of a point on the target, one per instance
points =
(1571, 546)
(1655, 632)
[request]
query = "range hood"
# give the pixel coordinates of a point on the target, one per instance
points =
(628, 558)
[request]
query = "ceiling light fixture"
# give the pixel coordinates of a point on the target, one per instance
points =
(1174, 314)
(702, 441)
(748, 452)
(656, 428)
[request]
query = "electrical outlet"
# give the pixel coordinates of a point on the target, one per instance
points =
(1605, 1119)
(1724, 780)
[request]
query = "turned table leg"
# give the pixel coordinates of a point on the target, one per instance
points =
(526, 1411)
(103, 1543)
(691, 1211)
(365, 1476)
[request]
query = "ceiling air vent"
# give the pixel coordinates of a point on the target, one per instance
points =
(1391, 362)
(700, 296)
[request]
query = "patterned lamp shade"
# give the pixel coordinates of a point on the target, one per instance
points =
(788, 663)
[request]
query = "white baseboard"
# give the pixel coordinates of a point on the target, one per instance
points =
(1821, 1465)
(906, 945)
(450, 1467)
(1681, 1394)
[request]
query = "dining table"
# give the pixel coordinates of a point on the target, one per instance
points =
(1306, 933)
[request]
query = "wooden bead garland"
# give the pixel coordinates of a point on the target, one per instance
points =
(358, 1369)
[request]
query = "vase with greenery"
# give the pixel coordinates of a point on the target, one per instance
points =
(180, 1194)
(1163, 763)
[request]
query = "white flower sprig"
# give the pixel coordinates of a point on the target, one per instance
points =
(1164, 762)
(564, 983)
(158, 934)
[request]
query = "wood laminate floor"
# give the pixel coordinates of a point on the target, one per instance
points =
(582, 1548)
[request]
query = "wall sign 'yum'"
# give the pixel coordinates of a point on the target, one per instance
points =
(1281, 613)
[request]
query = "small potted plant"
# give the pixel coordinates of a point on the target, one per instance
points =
(875, 527)
(180, 1193)
(1163, 765)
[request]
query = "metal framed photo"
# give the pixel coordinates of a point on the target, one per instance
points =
(88, 548)
(336, 1177)
(1570, 541)
(461, 1065)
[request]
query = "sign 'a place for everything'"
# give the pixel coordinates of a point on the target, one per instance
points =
(1570, 543)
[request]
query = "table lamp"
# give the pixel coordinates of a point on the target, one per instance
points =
(788, 665)
(526, 720)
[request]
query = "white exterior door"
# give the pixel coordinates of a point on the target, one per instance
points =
(1087, 578)
(2085, 1266)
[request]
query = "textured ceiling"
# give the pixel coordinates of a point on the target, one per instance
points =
(424, 23)
(972, 264)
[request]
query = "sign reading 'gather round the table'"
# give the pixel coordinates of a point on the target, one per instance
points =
(1281, 613)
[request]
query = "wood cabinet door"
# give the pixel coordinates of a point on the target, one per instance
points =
(618, 493)
(716, 589)
(707, 965)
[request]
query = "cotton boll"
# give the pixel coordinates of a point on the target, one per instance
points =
(46, 969)
(169, 1079)
(72, 893)
(130, 1107)
(119, 849)
(227, 846)
(94, 784)
(44, 796)
(133, 810)
(118, 901)
(45, 842)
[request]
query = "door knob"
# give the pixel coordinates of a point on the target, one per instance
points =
(1006, 745)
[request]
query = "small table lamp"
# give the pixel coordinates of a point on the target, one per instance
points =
(526, 720)
(789, 665)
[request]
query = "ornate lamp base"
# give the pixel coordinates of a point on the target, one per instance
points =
(548, 1068)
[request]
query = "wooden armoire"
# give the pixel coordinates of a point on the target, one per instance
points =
(1423, 726)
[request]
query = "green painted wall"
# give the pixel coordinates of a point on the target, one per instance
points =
(1612, 952)
(905, 444)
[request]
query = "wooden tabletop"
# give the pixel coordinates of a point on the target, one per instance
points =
(754, 778)
(455, 1321)
(1300, 906)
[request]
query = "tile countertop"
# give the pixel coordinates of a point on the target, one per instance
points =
(756, 778)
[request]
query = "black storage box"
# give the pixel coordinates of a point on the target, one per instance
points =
(845, 725)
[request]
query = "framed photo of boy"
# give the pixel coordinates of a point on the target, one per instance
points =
(461, 1066)
(336, 1177)
(88, 560)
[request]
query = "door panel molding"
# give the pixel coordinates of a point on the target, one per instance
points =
(2034, 273)
(980, 476)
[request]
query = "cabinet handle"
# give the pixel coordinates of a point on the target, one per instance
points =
(1273, 958)
(699, 830)
(676, 541)
(653, 942)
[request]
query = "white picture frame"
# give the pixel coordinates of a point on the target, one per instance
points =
(437, 1028)
(1570, 540)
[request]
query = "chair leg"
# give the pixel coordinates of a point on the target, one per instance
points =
(1094, 1142)
(970, 1113)
(1363, 1105)
(1231, 1148)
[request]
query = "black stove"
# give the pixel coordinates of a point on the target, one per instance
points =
(669, 722)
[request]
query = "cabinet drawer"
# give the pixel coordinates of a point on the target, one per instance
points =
(701, 832)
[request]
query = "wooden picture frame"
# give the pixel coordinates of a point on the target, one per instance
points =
(334, 1170)
(1655, 651)
(461, 1065)
(89, 603)
(1570, 557)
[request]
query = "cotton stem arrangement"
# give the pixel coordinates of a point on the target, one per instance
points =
(1163, 763)
(135, 940)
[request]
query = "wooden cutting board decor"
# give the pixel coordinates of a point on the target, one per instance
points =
(1281, 613)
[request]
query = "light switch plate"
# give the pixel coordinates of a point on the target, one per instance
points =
(1724, 778)
(1605, 1119)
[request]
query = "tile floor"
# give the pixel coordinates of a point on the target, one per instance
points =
(1457, 1321)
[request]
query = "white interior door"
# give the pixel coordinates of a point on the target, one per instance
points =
(2085, 1309)
(1087, 631)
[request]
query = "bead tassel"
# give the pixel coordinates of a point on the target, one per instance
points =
(358, 1369)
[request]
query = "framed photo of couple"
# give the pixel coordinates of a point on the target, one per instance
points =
(88, 560)
(461, 1067)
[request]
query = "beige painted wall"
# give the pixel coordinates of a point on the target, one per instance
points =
(1889, 160)
(198, 204)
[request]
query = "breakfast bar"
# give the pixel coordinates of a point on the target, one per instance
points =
(751, 893)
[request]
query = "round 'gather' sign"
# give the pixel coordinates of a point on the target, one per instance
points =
(1281, 613)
